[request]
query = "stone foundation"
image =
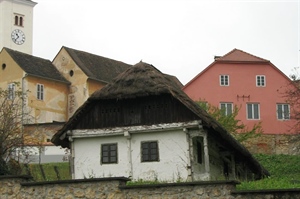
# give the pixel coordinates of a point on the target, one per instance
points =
(274, 144)
(18, 187)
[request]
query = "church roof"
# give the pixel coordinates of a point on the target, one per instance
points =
(142, 80)
(237, 55)
(97, 67)
(36, 66)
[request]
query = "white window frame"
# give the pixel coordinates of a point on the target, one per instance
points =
(281, 113)
(253, 110)
(225, 105)
(261, 80)
(223, 81)
(11, 88)
(40, 91)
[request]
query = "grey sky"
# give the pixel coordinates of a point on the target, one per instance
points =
(178, 37)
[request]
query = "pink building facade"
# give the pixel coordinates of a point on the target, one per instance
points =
(252, 83)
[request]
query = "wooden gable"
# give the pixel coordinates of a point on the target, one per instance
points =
(136, 111)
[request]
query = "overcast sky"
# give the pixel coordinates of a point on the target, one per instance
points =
(180, 38)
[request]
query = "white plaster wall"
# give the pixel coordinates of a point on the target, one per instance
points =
(171, 167)
(87, 158)
(173, 157)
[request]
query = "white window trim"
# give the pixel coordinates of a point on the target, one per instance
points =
(253, 111)
(283, 118)
(226, 107)
(220, 80)
(40, 95)
(265, 80)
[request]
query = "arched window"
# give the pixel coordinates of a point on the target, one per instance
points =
(21, 21)
(16, 20)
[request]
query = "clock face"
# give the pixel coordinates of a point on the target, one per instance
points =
(18, 36)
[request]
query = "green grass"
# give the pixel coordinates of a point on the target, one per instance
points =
(284, 170)
(50, 174)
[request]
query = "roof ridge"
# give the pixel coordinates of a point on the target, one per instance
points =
(235, 50)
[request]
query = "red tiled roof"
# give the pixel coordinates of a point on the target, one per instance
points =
(241, 56)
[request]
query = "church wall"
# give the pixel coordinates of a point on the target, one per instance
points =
(78, 91)
(9, 71)
(54, 105)
(8, 10)
(94, 86)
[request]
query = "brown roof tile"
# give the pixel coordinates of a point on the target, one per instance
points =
(237, 55)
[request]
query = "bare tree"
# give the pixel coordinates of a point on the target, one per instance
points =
(12, 114)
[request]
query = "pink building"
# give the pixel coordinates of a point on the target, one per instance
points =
(252, 83)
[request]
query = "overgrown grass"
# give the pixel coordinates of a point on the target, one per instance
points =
(49, 171)
(284, 170)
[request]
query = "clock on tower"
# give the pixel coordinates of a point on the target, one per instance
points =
(16, 25)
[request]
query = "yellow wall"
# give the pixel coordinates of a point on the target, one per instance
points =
(11, 73)
(54, 105)
(78, 92)
(94, 86)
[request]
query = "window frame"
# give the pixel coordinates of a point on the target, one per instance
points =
(283, 115)
(109, 155)
(223, 82)
(259, 81)
(11, 89)
(253, 111)
(40, 92)
(226, 107)
(149, 150)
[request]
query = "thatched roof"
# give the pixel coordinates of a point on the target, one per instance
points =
(36, 66)
(143, 80)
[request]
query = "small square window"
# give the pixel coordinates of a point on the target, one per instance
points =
(253, 111)
(283, 111)
(226, 108)
(260, 80)
(149, 151)
(109, 153)
(224, 80)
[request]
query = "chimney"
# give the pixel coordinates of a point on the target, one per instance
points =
(217, 57)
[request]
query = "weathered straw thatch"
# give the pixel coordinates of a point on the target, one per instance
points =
(143, 80)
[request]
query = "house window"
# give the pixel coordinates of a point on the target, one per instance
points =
(226, 108)
(260, 80)
(40, 91)
(283, 111)
(11, 91)
(16, 20)
(224, 80)
(149, 151)
(109, 153)
(253, 111)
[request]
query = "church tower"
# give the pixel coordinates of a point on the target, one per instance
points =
(16, 25)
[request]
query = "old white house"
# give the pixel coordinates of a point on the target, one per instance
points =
(143, 126)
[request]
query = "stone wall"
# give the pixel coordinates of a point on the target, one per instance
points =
(18, 187)
(274, 144)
